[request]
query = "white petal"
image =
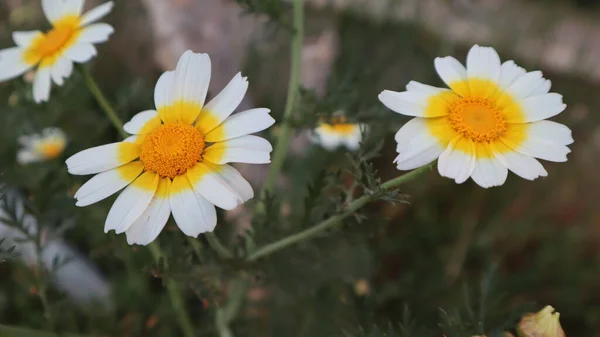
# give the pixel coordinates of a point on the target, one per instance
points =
(143, 122)
(536, 108)
(488, 171)
(131, 203)
(96, 33)
(102, 158)
(421, 149)
(222, 105)
(451, 72)
(525, 85)
(245, 149)
(211, 186)
(329, 141)
(353, 141)
(524, 166)
(163, 91)
(52, 9)
(415, 86)
(235, 180)
(81, 52)
(42, 85)
(25, 39)
(509, 72)
(458, 160)
(415, 103)
(72, 7)
(192, 212)
(147, 227)
(12, 63)
(27, 157)
(551, 132)
(241, 124)
(96, 13)
(483, 63)
(192, 77)
(62, 69)
(105, 184)
(543, 88)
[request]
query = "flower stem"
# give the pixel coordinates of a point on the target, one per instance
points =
(95, 90)
(172, 287)
(283, 139)
(174, 294)
(216, 244)
(334, 220)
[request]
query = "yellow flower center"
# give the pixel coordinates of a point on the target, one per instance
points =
(171, 149)
(339, 125)
(51, 150)
(477, 119)
(49, 46)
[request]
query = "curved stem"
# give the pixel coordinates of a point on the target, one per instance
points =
(283, 139)
(172, 287)
(95, 90)
(334, 220)
(216, 244)
(174, 294)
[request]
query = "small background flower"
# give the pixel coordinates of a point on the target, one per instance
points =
(338, 132)
(47, 145)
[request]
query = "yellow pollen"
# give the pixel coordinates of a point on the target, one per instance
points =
(52, 150)
(339, 125)
(52, 44)
(171, 149)
(477, 119)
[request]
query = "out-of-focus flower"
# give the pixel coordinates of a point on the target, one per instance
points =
(490, 121)
(176, 162)
(361, 287)
(47, 145)
(71, 39)
(338, 132)
(544, 323)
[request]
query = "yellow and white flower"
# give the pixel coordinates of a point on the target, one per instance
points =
(490, 121)
(176, 162)
(47, 145)
(71, 39)
(338, 132)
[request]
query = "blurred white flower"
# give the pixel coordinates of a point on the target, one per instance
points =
(176, 162)
(71, 39)
(490, 121)
(47, 145)
(338, 132)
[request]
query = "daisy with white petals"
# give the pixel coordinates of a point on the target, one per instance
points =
(71, 39)
(491, 120)
(177, 161)
(338, 132)
(47, 145)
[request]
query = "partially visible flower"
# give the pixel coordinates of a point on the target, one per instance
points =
(491, 120)
(338, 132)
(544, 323)
(177, 160)
(47, 145)
(71, 39)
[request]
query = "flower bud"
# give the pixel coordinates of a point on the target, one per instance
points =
(545, 323)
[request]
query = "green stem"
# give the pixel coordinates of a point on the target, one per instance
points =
(95, 90)
(174, 294)
(216, 244)
(334, 220)
(283, 139)
(172, 287)
(14, 331)
(227, 314)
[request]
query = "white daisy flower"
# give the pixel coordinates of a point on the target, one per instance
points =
(338, 132)
(490, 121)
(47, 145)
(71, 39)
(176, 162)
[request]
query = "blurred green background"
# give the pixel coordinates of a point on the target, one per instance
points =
(454, 260)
